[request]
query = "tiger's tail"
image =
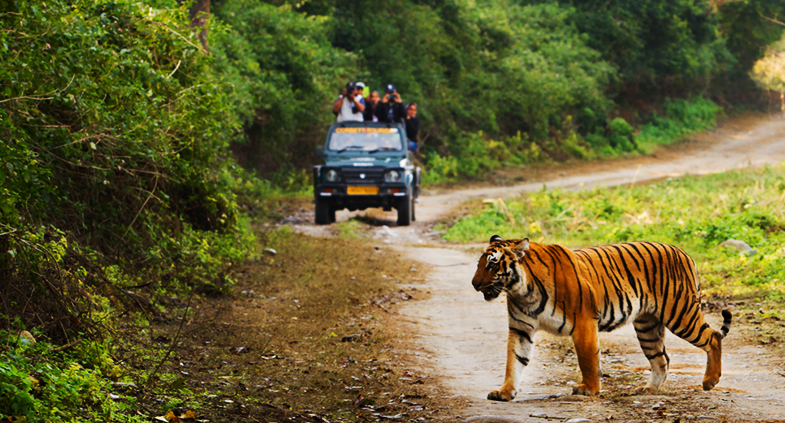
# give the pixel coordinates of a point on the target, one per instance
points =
(726, 319)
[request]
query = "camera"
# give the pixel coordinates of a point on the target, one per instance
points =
(350, 89)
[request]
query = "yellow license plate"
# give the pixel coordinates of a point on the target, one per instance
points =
(362, 190)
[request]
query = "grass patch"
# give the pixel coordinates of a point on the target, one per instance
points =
(681, 118)
(349, 229)
(695, 213)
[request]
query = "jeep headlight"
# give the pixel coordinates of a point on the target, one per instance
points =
(392, 176)
(332, 176)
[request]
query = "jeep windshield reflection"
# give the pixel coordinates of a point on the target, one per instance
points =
(365, 139)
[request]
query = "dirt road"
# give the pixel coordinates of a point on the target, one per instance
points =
(760, 145)
(465, 337)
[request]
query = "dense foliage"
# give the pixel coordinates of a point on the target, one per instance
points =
(283, 71)
(523, 81)
(748, 30)
(114, 176)
(742, 205)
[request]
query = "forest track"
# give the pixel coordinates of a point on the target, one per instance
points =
(725, 149)
(465, 337)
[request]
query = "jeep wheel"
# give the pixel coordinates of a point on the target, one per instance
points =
(413, 214)
(331, 214)
(405, 211)
(323, 212)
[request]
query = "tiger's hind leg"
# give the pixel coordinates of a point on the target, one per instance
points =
(651, 335)
(692, 328)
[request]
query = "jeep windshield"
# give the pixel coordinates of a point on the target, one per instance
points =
(369, 139)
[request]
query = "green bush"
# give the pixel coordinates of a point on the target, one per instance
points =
(473, 155)
(114, 173)
(43, 385)
(283, 72)
(120, 142)
(622, 135)
(681, 118)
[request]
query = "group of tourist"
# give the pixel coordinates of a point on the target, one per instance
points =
(352, 106)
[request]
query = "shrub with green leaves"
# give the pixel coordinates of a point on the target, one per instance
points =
(114, 175)
(114, 126)
(285, 74)
(473, 155)
(39, 383)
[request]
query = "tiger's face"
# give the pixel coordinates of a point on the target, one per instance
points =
(498, 269)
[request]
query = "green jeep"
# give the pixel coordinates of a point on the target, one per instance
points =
(367, 164)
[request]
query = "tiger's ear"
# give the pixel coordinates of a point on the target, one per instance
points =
(496, 238)
(521, 248)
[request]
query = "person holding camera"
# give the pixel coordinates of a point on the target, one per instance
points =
(350, 104)
(391, 110)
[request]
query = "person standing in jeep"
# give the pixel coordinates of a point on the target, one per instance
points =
(391, 109)
(350, 104)
(371, 107)
(412, 126)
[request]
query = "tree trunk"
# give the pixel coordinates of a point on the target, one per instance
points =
(200, 12)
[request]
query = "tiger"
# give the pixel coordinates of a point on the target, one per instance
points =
(580, 293)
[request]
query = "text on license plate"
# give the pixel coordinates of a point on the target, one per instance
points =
(362, 190)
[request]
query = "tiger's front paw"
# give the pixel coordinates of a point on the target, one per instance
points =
(502, 395)
(709, 384)
(582, 389)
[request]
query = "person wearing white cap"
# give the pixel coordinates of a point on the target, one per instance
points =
(361, 85)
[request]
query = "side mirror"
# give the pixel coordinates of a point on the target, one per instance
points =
(320, 151)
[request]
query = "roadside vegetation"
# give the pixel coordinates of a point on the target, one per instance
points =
(679, 119)
(696, 213)
(286, 345)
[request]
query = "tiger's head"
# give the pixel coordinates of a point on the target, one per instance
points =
(499, 267)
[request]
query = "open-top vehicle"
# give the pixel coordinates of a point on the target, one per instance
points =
(366, 165)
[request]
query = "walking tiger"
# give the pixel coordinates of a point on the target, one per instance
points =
(582, 292)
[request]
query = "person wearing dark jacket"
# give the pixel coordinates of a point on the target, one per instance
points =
(391, 109)
(371, 106)
(412, 123)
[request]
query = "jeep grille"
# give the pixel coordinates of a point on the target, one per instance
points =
(372, 175)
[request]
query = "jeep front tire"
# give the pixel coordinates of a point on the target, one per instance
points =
(324, 213)
(405, 211)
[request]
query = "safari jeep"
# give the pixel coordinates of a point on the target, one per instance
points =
(366, 165)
